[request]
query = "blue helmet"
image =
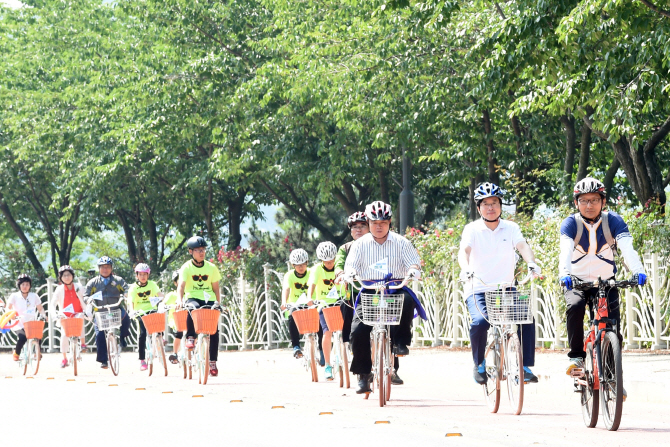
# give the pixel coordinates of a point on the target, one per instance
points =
(485, 190)
(105, 260)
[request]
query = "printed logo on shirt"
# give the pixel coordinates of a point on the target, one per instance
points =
(329, 282)
(144, 294)
(301, 286)
(200, 278)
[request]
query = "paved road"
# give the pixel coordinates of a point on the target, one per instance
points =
(439, 397)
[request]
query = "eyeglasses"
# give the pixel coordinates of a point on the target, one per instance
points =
(589, 202)
(199, 250)
(491, 205)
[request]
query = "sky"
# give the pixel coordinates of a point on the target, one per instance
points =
(11, 3)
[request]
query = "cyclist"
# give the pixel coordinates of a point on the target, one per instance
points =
(139, 299)
(385, 247)
(69, 299)
(321, 280)
(112, 288)
(487, 252)
(294, 286)
(26, 304)
(592, 257)
(171, 298)
(198, 287)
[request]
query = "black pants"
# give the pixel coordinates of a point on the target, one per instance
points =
(576, 309)
(190, 332)
(348, 316)
(293, 332)
(360, 336)
(143, 340)
(22, 339)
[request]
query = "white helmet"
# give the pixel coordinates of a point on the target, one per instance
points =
(326, 251)
(298, 256)
(588, 185)
(378, 211)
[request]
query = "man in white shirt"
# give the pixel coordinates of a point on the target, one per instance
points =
(487, 258)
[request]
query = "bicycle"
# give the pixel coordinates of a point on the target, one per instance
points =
(335, 322)
(506, 308)
(31, 354)
(381, 310)
(206, 322)
(109, 321)
(72, 328)
(601, 379)
(184, 354)
(307, 320)
(154, 323)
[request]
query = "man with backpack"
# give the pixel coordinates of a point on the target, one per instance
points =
(590, 240)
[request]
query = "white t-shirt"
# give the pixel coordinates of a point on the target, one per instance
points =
(493, 253)
(26, 308)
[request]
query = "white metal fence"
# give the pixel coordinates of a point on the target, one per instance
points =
(254, 320)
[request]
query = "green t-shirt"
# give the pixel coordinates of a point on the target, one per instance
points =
(171, 298)
(324, 280)
(199, 280)
(140, 295)
(297, 286)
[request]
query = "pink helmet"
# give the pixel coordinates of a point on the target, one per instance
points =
(142, 267)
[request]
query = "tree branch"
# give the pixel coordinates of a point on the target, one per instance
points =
(655, 8)
(657, 136)
(500, 11)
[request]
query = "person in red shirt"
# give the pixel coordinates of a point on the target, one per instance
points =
(68, 298)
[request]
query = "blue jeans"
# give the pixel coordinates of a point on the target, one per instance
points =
(101, 342)
(479, 328)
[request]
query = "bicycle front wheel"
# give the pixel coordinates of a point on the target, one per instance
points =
(312, 358)
(514, 373)
(203, 360)
(160, 352)
(113, 353)
(345, 364)
(379, 371)
(74, 352)
(493, 369)
(590, 397)
(611, 384)
(149, 351)
(34, 354)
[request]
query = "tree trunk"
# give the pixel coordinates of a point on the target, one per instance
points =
(384, 184)
(493, 175)
(609, 177)
(30, 252)
(584, 153)
(472, 207)
(518, 172)
(128, 233)
(570, 144)
(154, 262)
(235, 208)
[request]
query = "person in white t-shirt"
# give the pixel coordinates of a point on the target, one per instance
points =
(488, 252)
(26, 304)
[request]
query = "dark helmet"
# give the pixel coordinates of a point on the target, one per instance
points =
(175, 276)
(63, 269)
(23, 277)
(196, 242)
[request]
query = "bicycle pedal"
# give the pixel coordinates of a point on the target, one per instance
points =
(577, 373)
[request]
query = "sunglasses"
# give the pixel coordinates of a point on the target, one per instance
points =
(329, 282)
(300, 286)
(200, 277)
(144, 294)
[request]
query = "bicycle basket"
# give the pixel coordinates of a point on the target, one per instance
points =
(154, 323)
(509, 307)
(206, 321)
(333, 316)
(109, 319)
(307, 320)
(180, 318)
(72, 327)
(34, 329)
(381, 309)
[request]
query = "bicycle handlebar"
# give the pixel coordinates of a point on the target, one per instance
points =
(585, 285)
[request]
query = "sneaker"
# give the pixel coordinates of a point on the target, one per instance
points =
(213, 370)
(104, 365)
(364, 383)
(329, 372)
(124, 343)
(15, 356)
(173, 359)
(479, 373)
(322, 360)
(395, 379)
(83, 347)
(143, 365)
(400, 350)
(297, 353)
(64, 363)
(528, 376)
(190, 343)
(576, 363)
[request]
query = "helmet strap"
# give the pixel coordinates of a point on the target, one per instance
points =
(491, 221)
(196, 263)
(592, 221)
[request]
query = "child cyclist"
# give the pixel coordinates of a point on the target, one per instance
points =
(26, 304)
(170, 299)
(321, 280)
(139, 299)
(295, 285)
(198, 287)
(69, 300)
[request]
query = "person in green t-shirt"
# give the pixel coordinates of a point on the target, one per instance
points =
(140, 296)
(198, 287)
(321, 280)
(293, 287)
(170, 299)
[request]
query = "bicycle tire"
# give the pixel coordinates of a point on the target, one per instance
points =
(74, 349)
(388, 376)
(381, 342)
(35, 356)
(493, 369)
(336, 354)
(160, 352)
(189, 361)
(611, 385)
(590, 398)
(514, 373)
(203, 360)
(345, 364)
(183, 363)
(149, 351)
(312, 359)
(113, 354)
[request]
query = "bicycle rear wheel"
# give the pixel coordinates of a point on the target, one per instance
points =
(312, 358)
(160, 352)
(203, 360)
(113, 353)
(388, 376)
(35, 355)
(590, 397)
(189, 362)
(493, 369)
(514, 373)
(379, 371)
(150, 354)
(611, 385)
(345, 364)
(74, 352)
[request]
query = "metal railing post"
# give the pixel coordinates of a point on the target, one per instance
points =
(437, 324)
(533, 297)
(268, 303)
(655, 287)
(243, 308)
(50, 314)
(630, 320)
